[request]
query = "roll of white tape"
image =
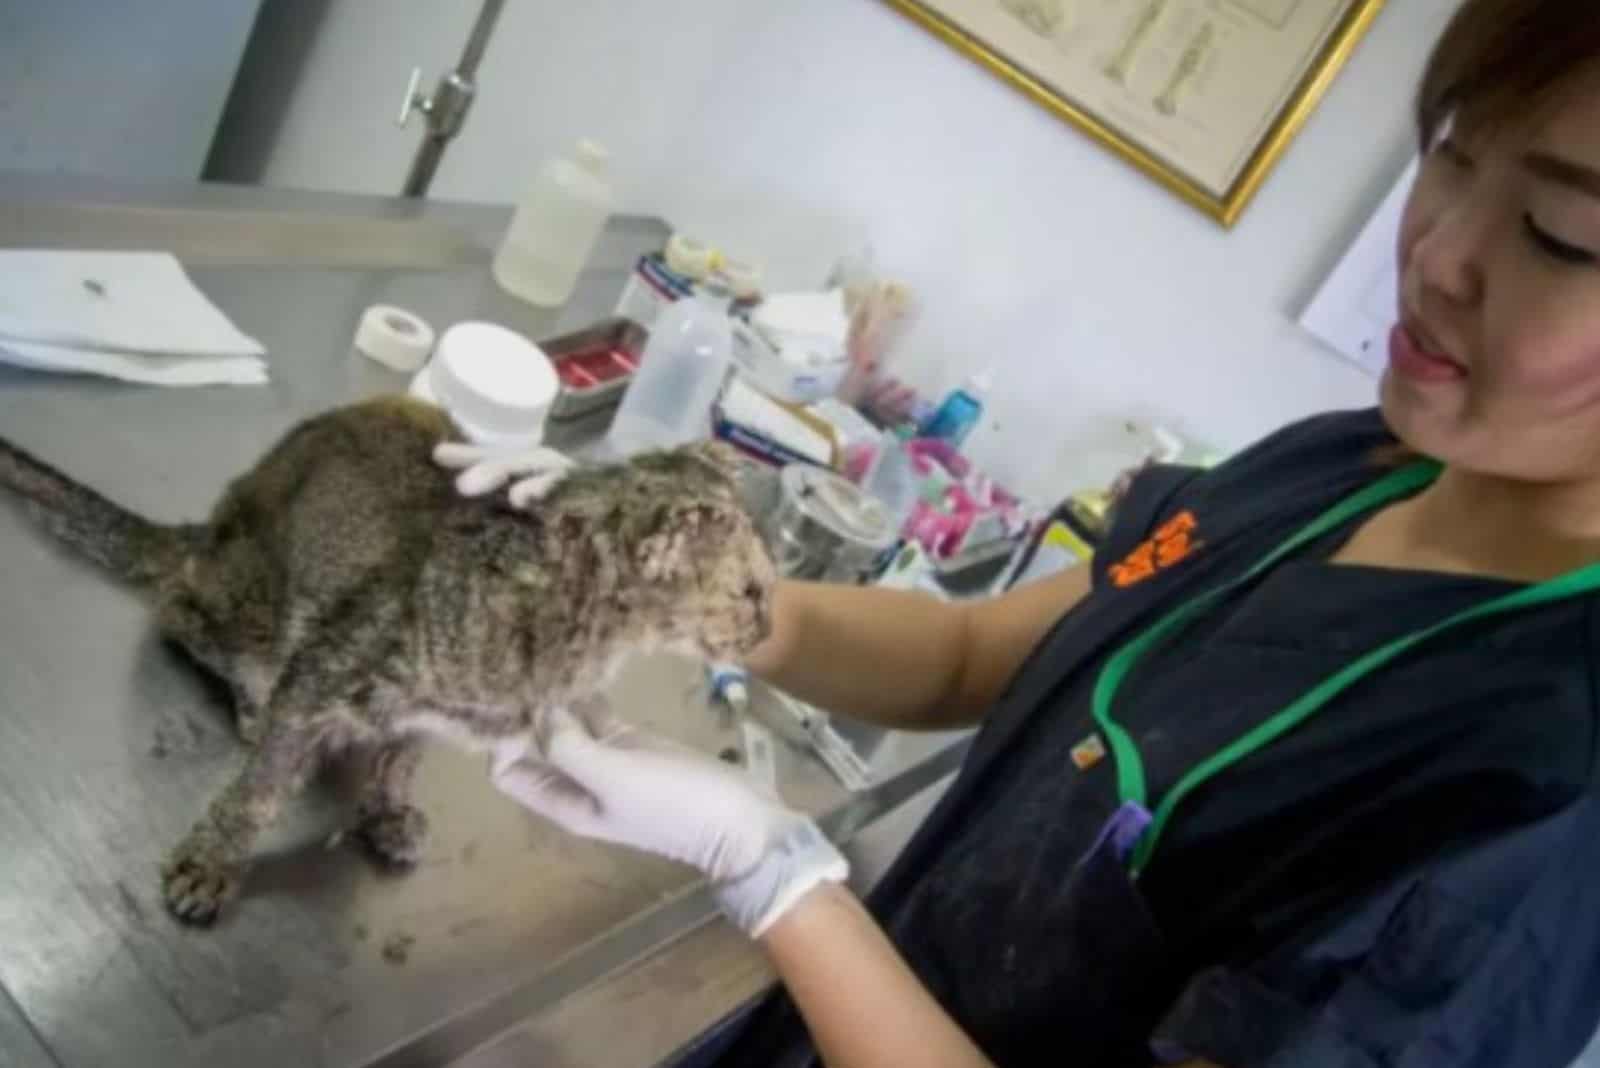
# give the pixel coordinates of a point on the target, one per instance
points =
(394, 337)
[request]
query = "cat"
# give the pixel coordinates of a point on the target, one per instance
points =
(354, 603)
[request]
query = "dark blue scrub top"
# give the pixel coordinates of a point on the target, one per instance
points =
(1410, 879)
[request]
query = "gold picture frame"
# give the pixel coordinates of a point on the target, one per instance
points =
(1230, 188)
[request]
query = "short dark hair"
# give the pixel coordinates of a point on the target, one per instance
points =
(1500, 59)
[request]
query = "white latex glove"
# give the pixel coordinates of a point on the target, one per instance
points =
(599, 778)
(485, 468)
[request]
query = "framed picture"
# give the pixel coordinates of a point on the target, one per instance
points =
(1203, 95)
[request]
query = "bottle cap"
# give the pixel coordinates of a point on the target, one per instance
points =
(689, 257)
(744, 277)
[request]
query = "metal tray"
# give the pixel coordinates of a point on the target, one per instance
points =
(614, 337)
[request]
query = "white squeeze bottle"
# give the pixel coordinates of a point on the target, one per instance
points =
(680, 374)
(555, 228)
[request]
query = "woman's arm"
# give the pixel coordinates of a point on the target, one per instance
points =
(838, 647)
(861, 1003)
(773, 873)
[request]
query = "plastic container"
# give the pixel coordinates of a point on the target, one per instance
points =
(555, 228)
(893, 480)
(496, 384)
(793, 374)
(680, 374)
(652, 288)
(595, 365)
(959, 413)
(661, 279)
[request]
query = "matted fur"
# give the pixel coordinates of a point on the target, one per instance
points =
(354, 603)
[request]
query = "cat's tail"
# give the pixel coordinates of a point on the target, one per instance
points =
(129, 546)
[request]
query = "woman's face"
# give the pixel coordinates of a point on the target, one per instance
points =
(1495, 366)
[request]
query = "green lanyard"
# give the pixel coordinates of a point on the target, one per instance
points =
(1131, 786)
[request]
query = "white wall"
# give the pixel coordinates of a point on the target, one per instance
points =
(77, 76)
(795, 128)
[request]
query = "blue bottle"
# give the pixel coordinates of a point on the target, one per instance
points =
(959, 413)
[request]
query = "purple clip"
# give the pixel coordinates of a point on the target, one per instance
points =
(1124, 829)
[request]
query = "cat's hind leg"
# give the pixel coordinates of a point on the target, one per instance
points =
(204, 872)
(391, 827)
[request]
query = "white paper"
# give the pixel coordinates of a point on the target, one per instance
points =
(136, 367)
(127, 301)
(133, 316)
(806, 315)
(1355, 310)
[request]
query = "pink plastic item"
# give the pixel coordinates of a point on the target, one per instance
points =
(940, 525)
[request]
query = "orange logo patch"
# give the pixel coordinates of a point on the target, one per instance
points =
(1169, 545)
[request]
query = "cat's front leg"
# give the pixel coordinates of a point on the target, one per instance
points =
(203, 873)
(391, 826)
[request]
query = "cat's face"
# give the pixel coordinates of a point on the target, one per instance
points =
(737, 605)
(708, 548)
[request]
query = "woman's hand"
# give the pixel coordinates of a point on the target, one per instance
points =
(863, 1006)
(774, 874)
(599, 778)
(532, 473)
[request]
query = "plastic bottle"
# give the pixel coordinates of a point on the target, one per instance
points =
(960, 412)
(681, 373)
(555, 228)
(893, 480)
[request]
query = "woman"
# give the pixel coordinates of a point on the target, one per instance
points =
(1302, 770)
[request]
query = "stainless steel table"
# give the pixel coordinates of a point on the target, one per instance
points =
(510, 938)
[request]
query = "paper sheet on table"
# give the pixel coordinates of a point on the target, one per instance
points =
(136, 366)
(129, 315)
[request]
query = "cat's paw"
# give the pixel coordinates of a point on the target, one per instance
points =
(395, 837)
(196, 887)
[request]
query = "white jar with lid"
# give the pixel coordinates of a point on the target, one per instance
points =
(555, 228)
(496, 385)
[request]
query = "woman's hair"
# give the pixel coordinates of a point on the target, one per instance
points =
(1501, 59)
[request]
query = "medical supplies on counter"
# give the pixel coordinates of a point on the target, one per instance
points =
(555, 228)
(681, 374)
(794, 346)
(399, 339)
(771, 431)
(594, 365)
(825, 529)
(661, 279)
(881, 311)
(958, 414)
(496, 384)
(1057, 544)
